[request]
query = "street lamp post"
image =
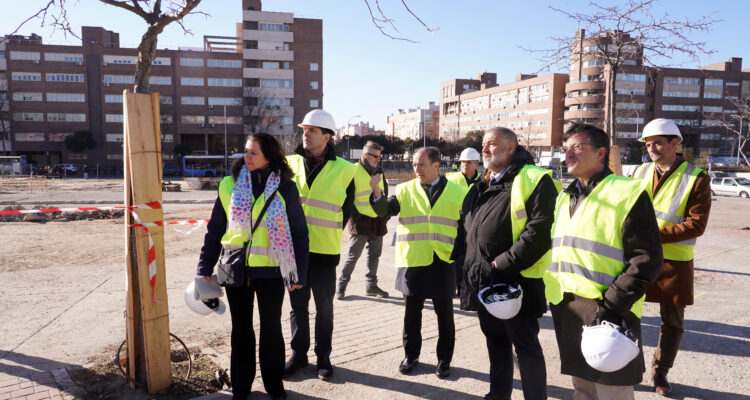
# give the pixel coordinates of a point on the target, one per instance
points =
(226, 157)
(348, 135)
(739, 137)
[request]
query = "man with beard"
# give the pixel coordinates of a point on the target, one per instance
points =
(366, 230)
(507, 219)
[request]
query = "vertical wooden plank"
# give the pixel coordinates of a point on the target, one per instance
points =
(144, 165)
(615, 163)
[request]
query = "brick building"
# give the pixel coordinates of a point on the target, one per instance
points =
(414, 123)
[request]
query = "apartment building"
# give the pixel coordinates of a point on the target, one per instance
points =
(263, 81)
(695, 98)
(532, 106)
(414, 123)
(359, 129)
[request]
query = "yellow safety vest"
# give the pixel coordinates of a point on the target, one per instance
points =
(670, 204)
(587, 248)
(423, 229)
(363, 191)
(459, 179)
(258, 254)
(322, 203)
(523, 185)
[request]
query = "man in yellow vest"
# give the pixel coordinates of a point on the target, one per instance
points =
(429, 209)
(507, 219)
(328, 191)
(605, 250)
(682, 200)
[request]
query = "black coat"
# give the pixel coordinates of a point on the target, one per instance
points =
(368, 226)
(487, 237)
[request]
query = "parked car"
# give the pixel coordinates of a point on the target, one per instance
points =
(68, 168)
(731, 186)
(172, 170)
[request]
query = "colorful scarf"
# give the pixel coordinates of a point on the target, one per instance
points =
(281, 250)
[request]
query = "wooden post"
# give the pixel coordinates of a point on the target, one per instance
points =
(615, 164)
(147, 308)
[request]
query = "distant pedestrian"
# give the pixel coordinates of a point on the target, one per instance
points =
(682, 200)
(365, 230)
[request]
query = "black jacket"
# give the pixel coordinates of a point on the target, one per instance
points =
(369, 226)
(487, 237)
(217, 226)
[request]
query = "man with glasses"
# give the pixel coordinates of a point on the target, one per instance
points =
(605, 250)
(365, 230)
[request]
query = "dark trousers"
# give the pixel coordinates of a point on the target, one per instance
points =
(321, 281)
(670, 335)
(413, 327)
(520, 332)
(374, 249)
(270, 293)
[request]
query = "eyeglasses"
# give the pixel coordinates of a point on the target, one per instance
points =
(575, 147)
(373, 155)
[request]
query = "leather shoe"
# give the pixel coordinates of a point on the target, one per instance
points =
(407, 365)
(661, 384)
(325, 369)
(293, 364)
(443, 369)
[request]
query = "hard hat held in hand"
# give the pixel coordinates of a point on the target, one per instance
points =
(501, 300)
(608, 347)
(320, 118)
(660, 127)
(202, 307)
(469, 154)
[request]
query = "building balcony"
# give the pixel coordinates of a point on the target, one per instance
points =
(268, 16)
(585, 114)
(268, 55)
(265, 73)
(587, 85)
(267, 36)
(592, 71)
(578, 100)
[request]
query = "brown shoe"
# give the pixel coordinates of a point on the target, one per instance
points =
(661, 384)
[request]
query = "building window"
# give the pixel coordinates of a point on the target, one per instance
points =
(263, 26)
(711, 109)
(193, 100)
(227, 82)
(314, 85)
(64, 117)
(191, 81)
(313, 66)
(714, 82)
(64, 57)
(67, 97)
(193, 119)
(29, 137)
(191, 62)
(691, 94)
(679, 107)
(271, 102)
(224, 63)
(710, 95)
(314, 103)
(25, 55)
(57, 137)
(126, 79)
(166, 118)
(117, 156)
(64, 77)
(27, 96)
(120, 60)
(276, 83)
(165, 99)
(219, 120)
(224, 101)
(113, 98)
(28, 116)
(631, 77)
(26, 76)
(160, 80)
(677, 80)
(270, 65)
(113, 118)
(114, 137)
(631, 106)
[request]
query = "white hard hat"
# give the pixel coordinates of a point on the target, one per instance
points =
(608, 347)
(320, 118)
(202, 307)
(501, 300)
(469, 154)
(660, 127)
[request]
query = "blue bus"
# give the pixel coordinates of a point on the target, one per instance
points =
(208, 166)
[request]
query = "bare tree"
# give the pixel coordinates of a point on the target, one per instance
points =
(735, 120)
(623, 33)
(383, 22)
(157, 14)
(4, 115)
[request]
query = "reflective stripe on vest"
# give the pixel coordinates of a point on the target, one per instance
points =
(524, 184)
(424, 229)
(587, 247)
(670, 203)
(362, 191)
(258, 252)
(323, 201)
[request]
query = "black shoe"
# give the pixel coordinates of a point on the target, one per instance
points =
(278, 396)
(293, 364)
(340, 294)
(325, 370)
(407, 365)
(443, 369)
(375, 291)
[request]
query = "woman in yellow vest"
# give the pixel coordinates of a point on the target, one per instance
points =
(277, 257)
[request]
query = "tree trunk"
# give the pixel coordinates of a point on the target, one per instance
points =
(146, 55)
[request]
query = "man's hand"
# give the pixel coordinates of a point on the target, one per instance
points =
(294, 287)
(375, 185)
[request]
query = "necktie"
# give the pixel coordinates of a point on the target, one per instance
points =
(427, 187)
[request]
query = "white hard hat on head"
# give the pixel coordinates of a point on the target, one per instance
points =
(320, 118)
(469, 154)
(608, 347)
(660, 127)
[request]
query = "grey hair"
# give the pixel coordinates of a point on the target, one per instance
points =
(506, 133)
(370, 145)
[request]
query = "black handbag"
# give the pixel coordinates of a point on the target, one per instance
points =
(232, 271)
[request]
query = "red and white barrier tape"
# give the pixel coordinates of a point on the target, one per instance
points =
(154, 205)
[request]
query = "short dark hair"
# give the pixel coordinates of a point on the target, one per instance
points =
(669, 138)
(433, 153)
(597, 137)
(272, 151)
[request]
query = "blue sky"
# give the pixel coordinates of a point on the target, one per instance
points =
(368, 74)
